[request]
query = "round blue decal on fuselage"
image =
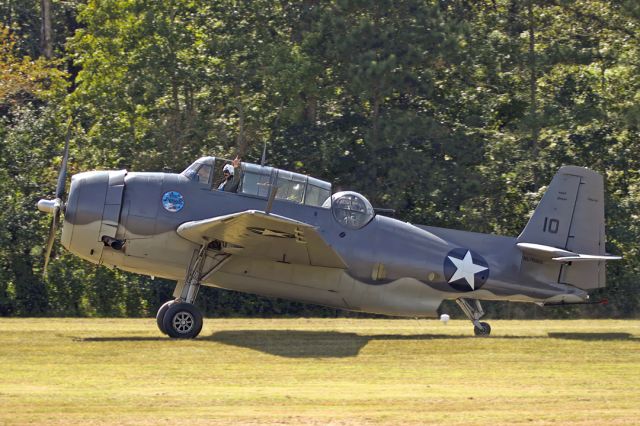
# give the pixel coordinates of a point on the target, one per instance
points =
(465, 270)
(172, 201)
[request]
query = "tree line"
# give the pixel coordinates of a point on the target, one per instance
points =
(454, 113)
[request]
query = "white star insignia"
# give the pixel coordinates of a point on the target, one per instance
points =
(466, 269)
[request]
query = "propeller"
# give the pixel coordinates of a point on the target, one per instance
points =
(56, 206)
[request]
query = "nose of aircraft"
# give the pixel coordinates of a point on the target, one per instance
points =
(86, 198)
(91, 212)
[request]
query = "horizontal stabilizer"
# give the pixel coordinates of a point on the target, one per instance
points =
(560, 255)
(540, 250)
(586, 258)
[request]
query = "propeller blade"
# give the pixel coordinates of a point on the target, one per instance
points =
(56, 206)
(52, 236)
(62, 177)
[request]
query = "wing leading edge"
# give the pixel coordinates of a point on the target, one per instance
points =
(256, 234)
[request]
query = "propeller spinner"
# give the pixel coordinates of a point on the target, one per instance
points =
(56, 206)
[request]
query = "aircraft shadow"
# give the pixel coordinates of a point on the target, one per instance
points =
(312, 344)
(593, 336)
(333, 344)
(294, 344)
(290, 343)
(120, 339)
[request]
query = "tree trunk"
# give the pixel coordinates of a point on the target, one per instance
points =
(533, 82)
(241, 142)
(46, 33)
(174, 134)
(375, 118)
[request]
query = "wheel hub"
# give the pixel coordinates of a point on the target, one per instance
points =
(183, 322)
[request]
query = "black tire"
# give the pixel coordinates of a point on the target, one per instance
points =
(160, 315)
(182, 321)
(483, 330)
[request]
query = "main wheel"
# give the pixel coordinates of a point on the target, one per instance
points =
(483, 330)
(182, 321)
(160, 315)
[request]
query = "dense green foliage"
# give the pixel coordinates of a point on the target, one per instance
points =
(455, 113)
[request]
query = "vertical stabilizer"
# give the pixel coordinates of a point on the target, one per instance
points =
(570, 216)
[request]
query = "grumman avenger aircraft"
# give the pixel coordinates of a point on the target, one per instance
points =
(284, 234)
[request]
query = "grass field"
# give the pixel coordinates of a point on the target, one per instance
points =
(320, 371)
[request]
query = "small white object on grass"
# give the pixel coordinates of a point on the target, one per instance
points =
(445, 318)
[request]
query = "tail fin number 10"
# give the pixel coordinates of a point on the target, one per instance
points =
(551, 225)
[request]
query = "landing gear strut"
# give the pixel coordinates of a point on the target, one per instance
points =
(180, 318)
(473, 310)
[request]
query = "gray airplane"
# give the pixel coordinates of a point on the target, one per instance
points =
(284, 234)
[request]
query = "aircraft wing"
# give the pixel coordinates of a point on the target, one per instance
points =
(254, 233)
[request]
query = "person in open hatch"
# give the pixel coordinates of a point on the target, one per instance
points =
(232, 176)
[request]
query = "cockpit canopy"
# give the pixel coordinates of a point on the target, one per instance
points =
(258, 180)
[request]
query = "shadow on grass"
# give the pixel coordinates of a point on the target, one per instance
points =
(333, 344)
(593, 336)
(317, 344)
(289, 343)
(120, 339)
(295, 344)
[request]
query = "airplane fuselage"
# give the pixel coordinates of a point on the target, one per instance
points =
(393, 267)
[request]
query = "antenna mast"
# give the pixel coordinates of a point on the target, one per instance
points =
(264, 153)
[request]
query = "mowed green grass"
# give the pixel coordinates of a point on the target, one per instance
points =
(320, 371)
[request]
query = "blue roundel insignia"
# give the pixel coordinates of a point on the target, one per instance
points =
(465, 270)
(172, 201)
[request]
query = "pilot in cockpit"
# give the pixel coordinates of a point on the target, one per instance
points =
(232, 176)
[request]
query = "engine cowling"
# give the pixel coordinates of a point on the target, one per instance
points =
(92, 213)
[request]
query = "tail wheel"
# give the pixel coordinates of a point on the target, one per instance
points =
(182, 321)
(483, 330)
